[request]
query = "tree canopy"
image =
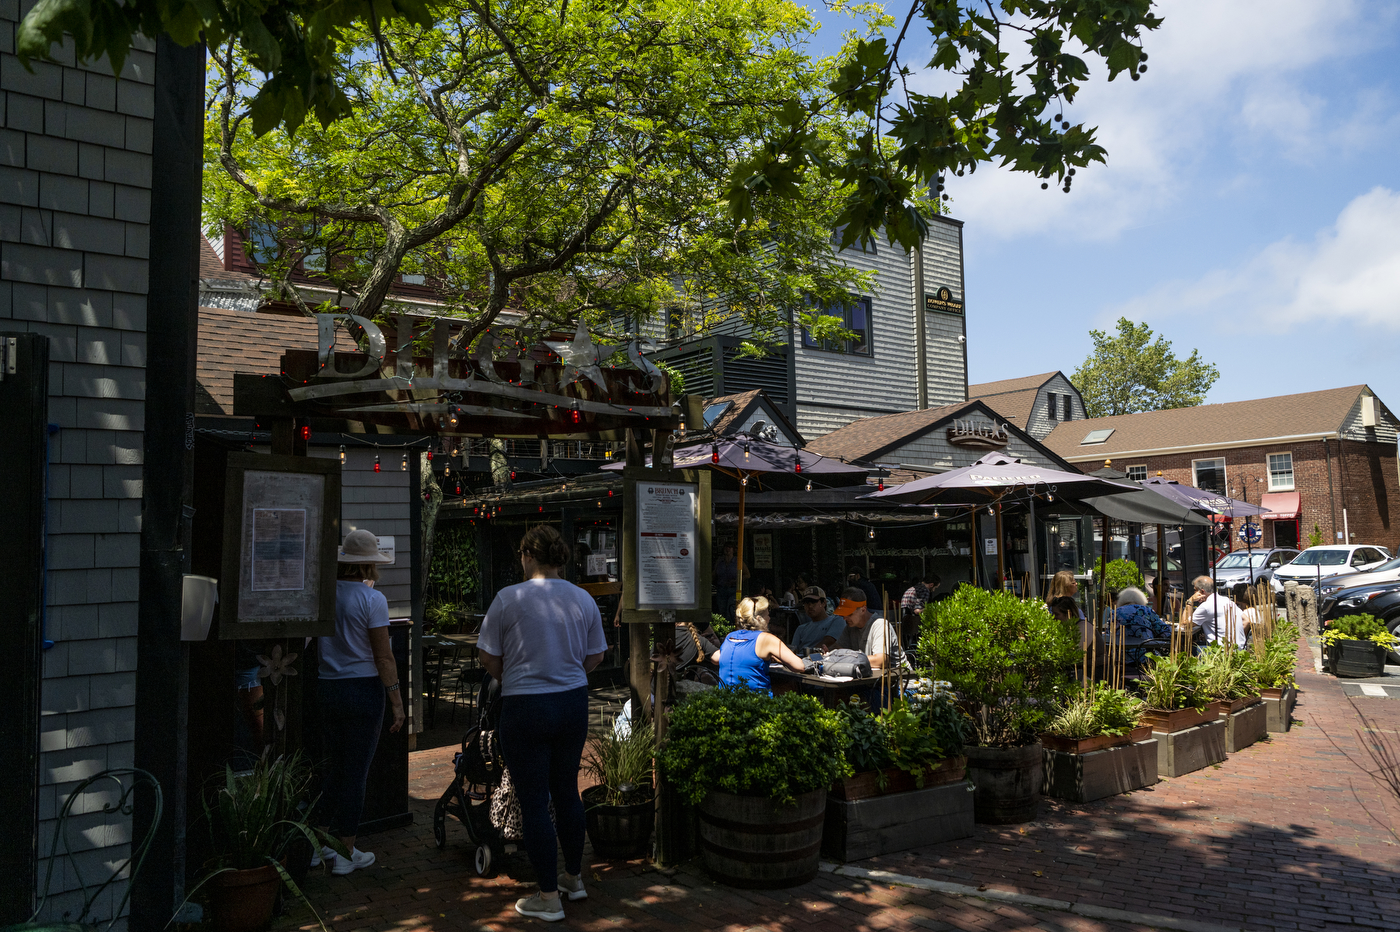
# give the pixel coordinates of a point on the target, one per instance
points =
(563, 161)
(1015, 64)
(1128, 372)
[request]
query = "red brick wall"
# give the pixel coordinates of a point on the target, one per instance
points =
(1364, 481)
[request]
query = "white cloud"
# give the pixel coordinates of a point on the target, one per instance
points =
(1221, 76)
(1350, 271)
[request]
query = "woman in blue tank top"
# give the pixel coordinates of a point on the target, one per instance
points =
(744, 656)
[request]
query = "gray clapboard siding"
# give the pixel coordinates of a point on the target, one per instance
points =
(933, 451)
(379, 502)
(1039, 424)
(1383, 432)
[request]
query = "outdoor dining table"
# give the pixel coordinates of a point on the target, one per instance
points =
(440, 645)
(832, 691)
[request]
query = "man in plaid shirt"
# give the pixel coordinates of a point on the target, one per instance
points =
(917, 595)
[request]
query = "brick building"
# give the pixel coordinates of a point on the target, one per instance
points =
(1320, 460)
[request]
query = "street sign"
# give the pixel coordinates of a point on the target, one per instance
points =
(1251, 533)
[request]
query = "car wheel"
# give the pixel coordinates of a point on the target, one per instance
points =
(1393, 623)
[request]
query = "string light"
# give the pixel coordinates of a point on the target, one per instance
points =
(744, 481)
(430, 455)
(342, 454)
(404, 466)
(935, 512)
(305, 432)
(746, 451)
(714, 453)
(799, 467)
(809, 485)
(376, 462)
(577, 415)
(871, 535)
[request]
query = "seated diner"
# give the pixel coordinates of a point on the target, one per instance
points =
(866, 632)
(820, 629)
(744, 656)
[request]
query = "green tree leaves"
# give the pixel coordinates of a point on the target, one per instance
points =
(1130, 372)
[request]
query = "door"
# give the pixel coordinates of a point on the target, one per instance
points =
(1286, 534)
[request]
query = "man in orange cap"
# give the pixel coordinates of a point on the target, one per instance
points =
(865, 631)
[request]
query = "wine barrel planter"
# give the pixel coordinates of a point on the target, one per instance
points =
(1357, 658)
(618, 833)
(752, 842)
(242, 901)
(1008, 782)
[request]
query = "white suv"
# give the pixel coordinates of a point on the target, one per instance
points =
(1329, 560)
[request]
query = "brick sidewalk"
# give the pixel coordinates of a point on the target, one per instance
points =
(1273, 839)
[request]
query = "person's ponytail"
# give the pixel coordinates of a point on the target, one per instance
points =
(546, 546)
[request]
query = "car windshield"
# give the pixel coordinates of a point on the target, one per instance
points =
(1386, 567)
(1321, 558)
(1243, 558)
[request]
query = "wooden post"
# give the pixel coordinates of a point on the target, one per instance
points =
(1001, 552)
(739, 549)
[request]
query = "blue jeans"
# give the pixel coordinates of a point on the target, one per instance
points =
(542, 737)
(352, 716)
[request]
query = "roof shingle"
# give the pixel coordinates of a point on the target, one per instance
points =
(870, 435)
(237, 341)
(1008, 386)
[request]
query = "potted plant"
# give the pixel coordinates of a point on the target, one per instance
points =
(1119, 575)
(1096, 745)
(1189, 735)
(1275, 645)
(1356, 645)
(255, 819)
(758, 767)
(1007, 659)
(619, 808)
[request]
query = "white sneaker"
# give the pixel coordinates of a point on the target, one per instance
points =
(572, 889)
(324, 853)
(537, 907)
(358, 859)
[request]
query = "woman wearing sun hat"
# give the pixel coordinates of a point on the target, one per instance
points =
(357, 670)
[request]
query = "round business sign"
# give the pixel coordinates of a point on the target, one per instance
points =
(1251, 533)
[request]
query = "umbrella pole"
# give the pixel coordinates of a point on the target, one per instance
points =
(739, 549)
(1001, 553)
(1162, 580)
(972, 542)
(1034, 581)
(1103, 590)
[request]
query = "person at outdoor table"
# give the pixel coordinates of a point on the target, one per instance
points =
(356, 671)
(744, 656)
(691, 645)
(1140, 624)
(540, 639)
(820, 629)
(1064, 585)
(1215, 615)
(872, 595)
(727, 579)
(867, 632)
(1254, 609)
(919, 594)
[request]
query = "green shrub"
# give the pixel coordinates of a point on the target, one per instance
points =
(1278, 656)
(1120, 574)
(1005, 657)
(867, 745)
(904, 736)
(1224, 672)
(722, 627)
(1100, 711)
(1358, 628)
(1170, 683)
(750, 743)
(622, 763)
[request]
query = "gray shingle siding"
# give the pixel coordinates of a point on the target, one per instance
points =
(75, 178)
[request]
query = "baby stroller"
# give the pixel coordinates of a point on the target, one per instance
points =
(478, 773)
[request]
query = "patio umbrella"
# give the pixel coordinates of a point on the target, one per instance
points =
(743, 457)
(1199, 500)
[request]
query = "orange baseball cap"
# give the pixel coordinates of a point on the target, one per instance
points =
(848, 607)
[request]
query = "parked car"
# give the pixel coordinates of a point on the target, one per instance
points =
(1237, 567)
(1379, 599)
(1384, 574)
(1328, 560)
(1149, 571)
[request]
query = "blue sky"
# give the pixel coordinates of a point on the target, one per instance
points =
(1250, 206)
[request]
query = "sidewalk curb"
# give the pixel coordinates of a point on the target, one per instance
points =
(1025, 899)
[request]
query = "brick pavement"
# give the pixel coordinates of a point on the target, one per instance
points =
(1273, 839)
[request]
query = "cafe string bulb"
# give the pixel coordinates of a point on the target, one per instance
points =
(935, 512)
(714, 453)
(403, 467)
(798, 470)
(744, 481)
(746, 450)
(342, 454)
(871, 534)
(809, 485)
(577, 415)
(376, 462)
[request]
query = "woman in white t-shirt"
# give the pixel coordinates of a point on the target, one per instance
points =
(357, 670)
(540, 639)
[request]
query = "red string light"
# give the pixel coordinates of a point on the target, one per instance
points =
(376, 462)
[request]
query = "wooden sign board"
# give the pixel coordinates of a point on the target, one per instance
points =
(666, 545)
(281, 536)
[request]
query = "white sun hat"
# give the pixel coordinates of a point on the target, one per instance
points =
(361, 547)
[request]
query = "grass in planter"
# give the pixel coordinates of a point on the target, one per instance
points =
(1170, 683)
(1099, 710)
(750, 743)
(1225, 672)
(622, 764)
(1275, 647)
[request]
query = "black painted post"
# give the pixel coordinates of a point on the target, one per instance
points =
(168, 476)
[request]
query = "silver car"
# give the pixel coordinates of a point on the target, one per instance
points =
(1385, 573)
(1244, 566)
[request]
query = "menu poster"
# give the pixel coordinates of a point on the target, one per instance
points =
(666, 544)
(763, 551)
(279, 549)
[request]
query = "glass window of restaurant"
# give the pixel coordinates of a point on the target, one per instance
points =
(1209, 475)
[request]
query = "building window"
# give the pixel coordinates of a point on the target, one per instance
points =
(1209, 475)
(1137, 473)
(1052, 407)
(855, 317)
(1069, 409)
(1280, 472)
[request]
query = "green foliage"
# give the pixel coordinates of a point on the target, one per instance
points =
(1278, 657)
(909, 735)
(1170, 683)
(254, 817)
(453, 574)
(1130, 372)
(623, 764)
(750, 743)
(1224, 671)
(1005, 103)
(867, 743)
(1358, 628)
(1122, 574)
(673, 375)
(933, 701)
(722, 627)
(1315, 537)
(1098, 711)
(440, 615)
(1006, 657)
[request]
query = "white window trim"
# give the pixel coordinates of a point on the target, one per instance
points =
(1292, 484)
(1129, 470)
(1212, 459)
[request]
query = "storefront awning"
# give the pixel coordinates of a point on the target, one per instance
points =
(1282, 506)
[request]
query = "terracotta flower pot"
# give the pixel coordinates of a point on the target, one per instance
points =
(242, 901)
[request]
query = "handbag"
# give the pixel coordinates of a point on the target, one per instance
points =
(505, 809)
(845, 662)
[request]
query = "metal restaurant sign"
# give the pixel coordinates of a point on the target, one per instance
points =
(985, 434)
(493, 387)
(943, 300)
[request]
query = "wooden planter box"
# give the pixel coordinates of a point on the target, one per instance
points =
(1096, 743)
(1085, 777)
(865, 828)
(1165, 721)
(867, 785)
(1224, 707)
(1278, 704)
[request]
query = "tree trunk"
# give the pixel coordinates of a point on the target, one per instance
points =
(431, 493)
(500, 469)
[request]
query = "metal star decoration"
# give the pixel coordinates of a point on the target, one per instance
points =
(580, 358)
